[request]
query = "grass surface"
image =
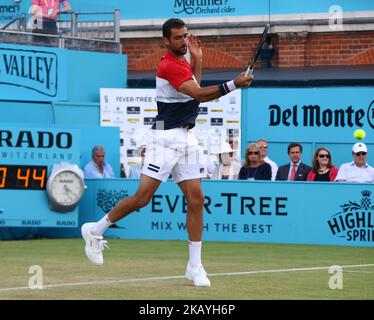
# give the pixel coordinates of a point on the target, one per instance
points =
(137, 269)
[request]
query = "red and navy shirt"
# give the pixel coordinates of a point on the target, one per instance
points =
(175, 109)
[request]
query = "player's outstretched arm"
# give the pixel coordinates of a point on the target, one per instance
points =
(204, 94)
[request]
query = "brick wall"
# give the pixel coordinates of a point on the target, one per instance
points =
(291, 50)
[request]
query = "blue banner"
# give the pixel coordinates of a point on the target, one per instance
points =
(309, 114)
(163, 9)
(32, 73)
(243, 211)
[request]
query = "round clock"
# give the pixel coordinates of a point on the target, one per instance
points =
(65, 187)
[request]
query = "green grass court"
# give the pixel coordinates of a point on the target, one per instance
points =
(139, 269)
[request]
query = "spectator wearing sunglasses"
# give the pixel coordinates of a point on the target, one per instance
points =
(323, 169)
(358, 170)
(254, 168)
(295, 170)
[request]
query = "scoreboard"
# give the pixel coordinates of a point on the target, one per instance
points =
(26, 159)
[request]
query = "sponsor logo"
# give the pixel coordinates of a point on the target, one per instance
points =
(131, 153)
(203, 110)
(355, 221)
(133, 110)
(316, 116)
(133, 120)
(202, 7)
(148, 121)
(232, 121)
(107, 199)
(232, 110)
(9, 12)
(30, 69)
(216, 122)
(39, 139)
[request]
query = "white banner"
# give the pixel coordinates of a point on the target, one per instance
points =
(134, 111)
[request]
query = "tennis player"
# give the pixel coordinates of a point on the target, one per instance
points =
(171, 148)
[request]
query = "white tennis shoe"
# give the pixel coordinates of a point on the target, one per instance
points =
(198, 276)
(94, 245)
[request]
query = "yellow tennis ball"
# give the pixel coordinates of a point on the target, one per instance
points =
(359, 134)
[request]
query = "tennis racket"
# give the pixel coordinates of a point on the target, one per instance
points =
(252, 62)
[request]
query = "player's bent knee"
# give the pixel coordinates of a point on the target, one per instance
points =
(142, 200)
(196, 200)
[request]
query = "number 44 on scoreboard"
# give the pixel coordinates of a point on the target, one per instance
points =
(23, 177)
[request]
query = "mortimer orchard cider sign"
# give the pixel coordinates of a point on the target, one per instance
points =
(198, 7)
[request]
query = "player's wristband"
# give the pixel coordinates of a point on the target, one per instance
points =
(227, 87)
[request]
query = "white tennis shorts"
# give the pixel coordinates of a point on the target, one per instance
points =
(176, 152)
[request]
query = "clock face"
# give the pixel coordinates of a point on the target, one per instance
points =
(67, 188)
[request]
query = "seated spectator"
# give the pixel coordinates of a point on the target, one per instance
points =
(295, 170)
(210, 164)
(358, 170)
(98, 168)
(227, 168)
(136, 170)
(323, 169)
(254, 168)
(264, 149)
(233, 141)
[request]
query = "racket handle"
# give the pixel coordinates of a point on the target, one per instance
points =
(249, 72)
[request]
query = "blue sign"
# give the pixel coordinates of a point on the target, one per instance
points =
(34, 72)
(245, 211)
(314, 117)
(315, 114)
(26, 159)
(163, 9)
(31, 69)
(10, 9)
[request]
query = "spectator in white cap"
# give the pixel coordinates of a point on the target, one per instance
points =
(227, 167)
(358, 170)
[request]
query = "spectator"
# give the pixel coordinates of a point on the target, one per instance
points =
(323, 169)
(233, 141)
(210, 164)
(295, 170)
(254, 168)
(45, 13)
(227, 168)
(358, 170)
(136, 169)
(98, 168)
(264, 149)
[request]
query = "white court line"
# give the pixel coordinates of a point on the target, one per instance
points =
(105, 282)
(357, 271)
